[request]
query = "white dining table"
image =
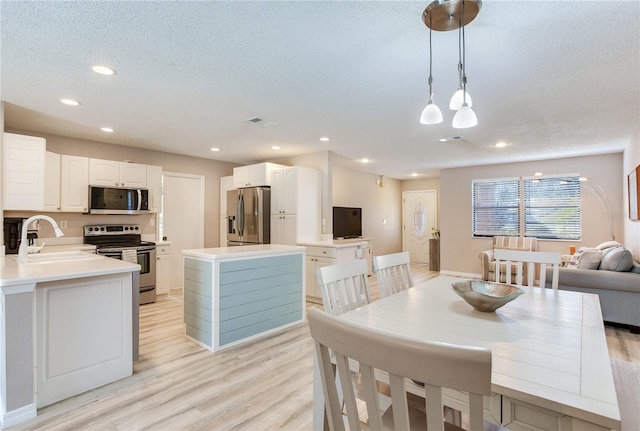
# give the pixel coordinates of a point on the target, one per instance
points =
(550, 361)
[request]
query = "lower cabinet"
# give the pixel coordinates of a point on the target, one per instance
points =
(163, 268)
(321, 256)
(283, 229)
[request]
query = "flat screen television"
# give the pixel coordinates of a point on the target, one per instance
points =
(347, 222)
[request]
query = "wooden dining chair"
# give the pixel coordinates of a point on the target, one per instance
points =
(439, 365)
(529, 263)
(394, 273)
(344, 286)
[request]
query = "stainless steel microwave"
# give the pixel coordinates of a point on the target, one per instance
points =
(113, 200)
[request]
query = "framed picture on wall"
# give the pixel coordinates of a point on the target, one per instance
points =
(633, 183)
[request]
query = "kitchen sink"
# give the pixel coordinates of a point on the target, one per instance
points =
(55, 257)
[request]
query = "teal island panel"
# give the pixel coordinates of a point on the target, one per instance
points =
(257, 295)
(198, 302)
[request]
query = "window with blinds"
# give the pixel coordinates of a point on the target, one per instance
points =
(552, 207)
(544, 207)
(496, 207)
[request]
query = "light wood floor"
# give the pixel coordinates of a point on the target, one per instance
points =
(266, 385)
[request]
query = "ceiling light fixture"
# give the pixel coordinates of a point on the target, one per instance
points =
(107, 129)
(446, 15)
(501, 145)
(215, 149)
(325, 139)
(70, 102)
(103, 70)
(431, 113)
(275, 147)
(365, 160)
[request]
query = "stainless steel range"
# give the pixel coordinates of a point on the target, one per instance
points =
(124, 241)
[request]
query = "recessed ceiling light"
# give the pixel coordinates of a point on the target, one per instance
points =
(215, 149)
(103, 70)
(538, 174)
(107, 129)
(70, 102)
(442, 139)
(415, 174)
(501, 145)
(275, 147)
(365, 160)
(325, 139)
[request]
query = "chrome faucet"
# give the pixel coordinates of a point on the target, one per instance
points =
(23, 250)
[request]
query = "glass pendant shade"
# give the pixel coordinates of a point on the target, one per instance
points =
(458, 98)
(431, 114)
(465, 117)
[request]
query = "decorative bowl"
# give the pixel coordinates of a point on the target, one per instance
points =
(484, 296)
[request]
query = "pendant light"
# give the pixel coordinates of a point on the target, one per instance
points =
(431, 113)
(456, 100)
(465, 117)
(446, 15)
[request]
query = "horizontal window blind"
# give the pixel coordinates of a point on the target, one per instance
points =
(496, 207)
(552, 207)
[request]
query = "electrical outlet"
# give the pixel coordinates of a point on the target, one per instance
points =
(63, 224)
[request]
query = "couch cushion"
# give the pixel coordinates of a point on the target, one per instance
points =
(619, 259)
(586, 258)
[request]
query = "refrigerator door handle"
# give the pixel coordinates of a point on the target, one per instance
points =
(240, 212)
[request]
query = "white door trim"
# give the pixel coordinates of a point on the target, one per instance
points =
(201, 200)
(432, 222)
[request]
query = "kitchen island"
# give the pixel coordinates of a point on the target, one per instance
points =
(65, 328)
(233, 295)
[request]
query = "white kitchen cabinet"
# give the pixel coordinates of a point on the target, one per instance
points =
(328, 253)
(253, 175)
(296, 194)
(74, 184)
(110, 173)
(284, 190)
(163, 268)
(23, 172)
(154, 184)
(283, 229)
(52, 182)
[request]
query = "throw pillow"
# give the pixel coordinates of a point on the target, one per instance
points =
(586, 258)
(608, 244)
(619, 260)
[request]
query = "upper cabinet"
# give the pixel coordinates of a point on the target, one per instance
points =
(154, 184)
(23, 172)
(254, 175)
(74, 184)
(295, 205)
(52, 182)
(111, 173)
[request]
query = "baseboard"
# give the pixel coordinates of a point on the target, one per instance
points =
(14, 417)
(461, 274)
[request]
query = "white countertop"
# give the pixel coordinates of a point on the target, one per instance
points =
(15, 273)
(241, 251)
(337, 243)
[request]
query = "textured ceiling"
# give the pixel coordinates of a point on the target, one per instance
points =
(551, 79)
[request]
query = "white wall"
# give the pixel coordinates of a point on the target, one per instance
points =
(631, 228)
(357, 189)
(459, 250)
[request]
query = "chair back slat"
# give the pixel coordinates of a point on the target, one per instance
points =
(527, 262)
(394, 273)
(462, 368)
(344, 287)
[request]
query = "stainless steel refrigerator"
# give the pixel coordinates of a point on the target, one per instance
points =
(248, 216)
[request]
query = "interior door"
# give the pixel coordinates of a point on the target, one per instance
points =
(419, 217)
(183, 218)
